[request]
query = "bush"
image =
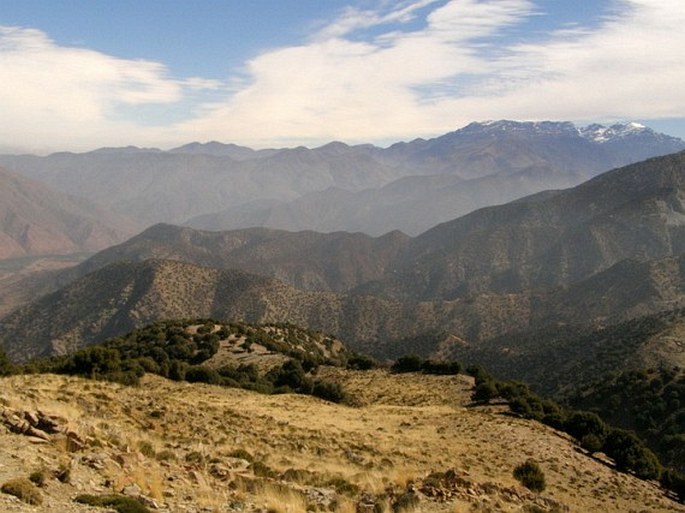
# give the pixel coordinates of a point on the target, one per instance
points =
(361, 362)
(484, 392)
(409, 363)
(24, 490)
(6, 367)
(440, 368)
(328, 391)
(530, 475)
(674, 481)
(119, 503)
(39, 477)
(196, 374)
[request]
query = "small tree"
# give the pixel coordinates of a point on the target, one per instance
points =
(484, 392)
(530, 475)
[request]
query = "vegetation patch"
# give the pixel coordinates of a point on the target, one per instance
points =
(24, 490)
(530, 475)
(119, 503)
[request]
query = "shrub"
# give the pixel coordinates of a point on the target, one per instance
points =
(24, 490)
(328, 391)
(674, 481)
(6, 367)
(39, 477)
(409, 363)
(196, 374)
(63, 473)
(591, 443)
(119, 503)
(146, 449)
(361, 362)
(530, 475)
(440, 368)
(484, 392)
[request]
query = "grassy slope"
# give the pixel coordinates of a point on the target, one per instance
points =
(405, 427)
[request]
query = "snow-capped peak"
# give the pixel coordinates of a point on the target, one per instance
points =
(601, 134)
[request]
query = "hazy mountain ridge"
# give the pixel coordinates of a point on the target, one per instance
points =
(514, 158)
(36, 220)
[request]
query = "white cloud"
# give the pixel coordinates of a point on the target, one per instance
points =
(405, 69)
(54, 95)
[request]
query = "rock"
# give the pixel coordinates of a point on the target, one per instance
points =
(132, 490)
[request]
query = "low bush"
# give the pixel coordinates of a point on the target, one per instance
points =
(24, 490)
(119, 503)
(530, 475)
(328, 391)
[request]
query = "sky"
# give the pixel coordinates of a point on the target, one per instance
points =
(76, 75)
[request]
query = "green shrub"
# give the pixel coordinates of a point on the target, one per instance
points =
(361, 362)
(39, 477)
(119, 503)
(409, 363)
(146, 449)
(6, 367)
(328, 391)
(196, 374)
(530, 475)
(24, 490)
(485, 391)
(582, 423)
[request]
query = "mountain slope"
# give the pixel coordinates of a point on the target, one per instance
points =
(635, 212)
(35, 220)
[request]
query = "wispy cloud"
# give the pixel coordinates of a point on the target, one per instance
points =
(400, 70)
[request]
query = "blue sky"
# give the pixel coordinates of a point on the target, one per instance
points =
(80, 74)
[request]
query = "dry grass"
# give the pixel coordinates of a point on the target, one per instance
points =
(409, 426)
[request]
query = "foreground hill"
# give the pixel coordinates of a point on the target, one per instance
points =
(413, 437)
(38, 221)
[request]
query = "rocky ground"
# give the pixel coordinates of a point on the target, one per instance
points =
(407, 442)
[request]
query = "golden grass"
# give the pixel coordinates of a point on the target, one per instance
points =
(385, 443)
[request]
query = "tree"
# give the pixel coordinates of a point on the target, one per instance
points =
(580, 424)
(630, 454)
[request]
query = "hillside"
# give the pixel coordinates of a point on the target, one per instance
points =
(36, 221)
(597, 254)
(635, 212)
(416, 434)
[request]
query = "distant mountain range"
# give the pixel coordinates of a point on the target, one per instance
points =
(37, 220)
(604, 252)
(408, 186)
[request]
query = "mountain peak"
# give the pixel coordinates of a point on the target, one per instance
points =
(601, 134)
(506, 125)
